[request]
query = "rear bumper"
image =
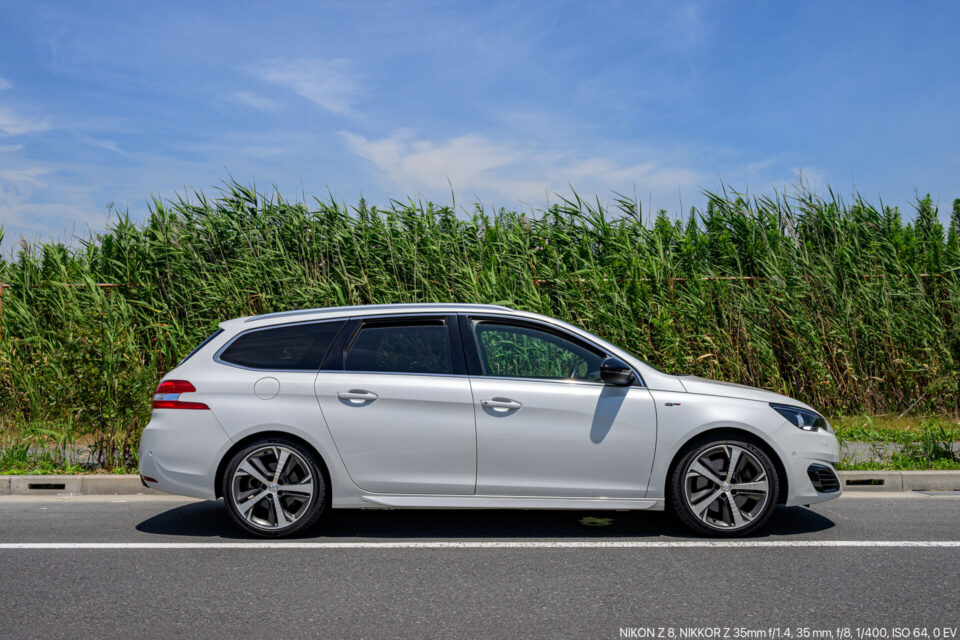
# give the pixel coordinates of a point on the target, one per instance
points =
(181, 450)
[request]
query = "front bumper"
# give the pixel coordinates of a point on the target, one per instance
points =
(801, 450)
(181, 450)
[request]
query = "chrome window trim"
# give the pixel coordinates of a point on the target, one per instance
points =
(585, 383)
(391, 373)
(441, 315)
(219, 352)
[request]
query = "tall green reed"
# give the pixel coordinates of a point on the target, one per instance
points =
(847, 307)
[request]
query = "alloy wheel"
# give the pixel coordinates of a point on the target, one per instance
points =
(272, 487)
(726, 487)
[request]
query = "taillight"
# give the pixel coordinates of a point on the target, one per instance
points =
(167, 395)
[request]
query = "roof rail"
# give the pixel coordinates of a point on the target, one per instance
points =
(402, 305)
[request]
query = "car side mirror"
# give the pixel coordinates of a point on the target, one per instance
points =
(615, 371)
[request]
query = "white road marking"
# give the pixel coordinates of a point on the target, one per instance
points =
(548, 544)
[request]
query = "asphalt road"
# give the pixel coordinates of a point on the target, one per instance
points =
(406, 589)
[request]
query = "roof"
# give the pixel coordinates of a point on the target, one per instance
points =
(368, 309)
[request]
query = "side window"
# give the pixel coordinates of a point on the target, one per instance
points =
(294, 347)
(517, 351)
(409, 346)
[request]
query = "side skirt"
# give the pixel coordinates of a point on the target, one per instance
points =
(507, 502)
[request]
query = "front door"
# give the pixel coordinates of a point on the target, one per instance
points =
(546, 424)
(400, 412)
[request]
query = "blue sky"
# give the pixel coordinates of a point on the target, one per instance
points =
(510, 102)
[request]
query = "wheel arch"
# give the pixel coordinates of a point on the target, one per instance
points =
(720, 432)
(260, 435)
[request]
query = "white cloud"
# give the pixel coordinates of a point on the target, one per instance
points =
(23, 175)
(102, 143)
(477, 164)
(9, 148)
(329, 83)
(36, 203)
(253, 100)
(4, 84)
(58, 221)
(12, 124)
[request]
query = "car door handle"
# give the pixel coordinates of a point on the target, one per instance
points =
(358, 395)
(501, 403)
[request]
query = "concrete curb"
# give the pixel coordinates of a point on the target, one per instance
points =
(900, 480)
(106, 485)
(92, 484)
(871, 480)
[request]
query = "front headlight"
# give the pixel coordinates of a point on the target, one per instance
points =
(802, 418)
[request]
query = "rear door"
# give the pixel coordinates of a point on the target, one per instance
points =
(546, 424)
(397, 400)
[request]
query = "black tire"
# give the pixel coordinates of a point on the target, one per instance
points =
(689, 488)
(259, 513)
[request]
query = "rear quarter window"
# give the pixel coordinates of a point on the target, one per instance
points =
(296, 347)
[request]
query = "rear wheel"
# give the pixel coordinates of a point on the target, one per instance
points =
(724, 487)
(274, 487)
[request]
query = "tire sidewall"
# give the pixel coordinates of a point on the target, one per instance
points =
(315, 507)
(678, 502)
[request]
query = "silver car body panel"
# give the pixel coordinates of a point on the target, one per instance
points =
(507, 502)
(428, 441)
(564, 439)
(417, 436)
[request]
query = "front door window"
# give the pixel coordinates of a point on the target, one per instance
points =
(518, 351)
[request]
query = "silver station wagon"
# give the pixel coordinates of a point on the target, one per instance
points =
(288, 415)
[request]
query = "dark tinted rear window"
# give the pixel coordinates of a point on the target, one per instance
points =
(295, 347)
(410, 347)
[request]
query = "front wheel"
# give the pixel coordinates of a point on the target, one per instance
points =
(273, 488)
(724, 487)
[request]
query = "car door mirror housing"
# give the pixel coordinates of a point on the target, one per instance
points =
(614, 371)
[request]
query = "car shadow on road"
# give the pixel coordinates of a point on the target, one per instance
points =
(209, 519)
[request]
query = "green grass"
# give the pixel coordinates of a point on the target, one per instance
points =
(17, 459)
(843, 312)
(918, 443)
(890, 424)
(891, 430)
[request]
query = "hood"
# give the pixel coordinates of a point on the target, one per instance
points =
(704, 386)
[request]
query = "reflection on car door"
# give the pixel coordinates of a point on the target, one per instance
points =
(546, 425)
(399, 407)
